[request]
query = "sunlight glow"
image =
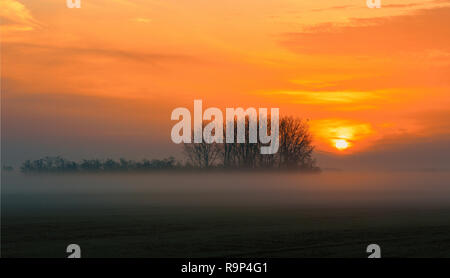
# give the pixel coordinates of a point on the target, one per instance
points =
(341, 144)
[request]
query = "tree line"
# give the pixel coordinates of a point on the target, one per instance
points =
(59, 164)
(295, 152)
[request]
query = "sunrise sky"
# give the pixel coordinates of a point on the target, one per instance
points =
(102, 80)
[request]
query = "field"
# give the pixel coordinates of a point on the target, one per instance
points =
(146, 215)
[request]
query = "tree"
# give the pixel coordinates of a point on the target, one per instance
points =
(91, 165)
(242, 155)
(201, 155)
(295, 144)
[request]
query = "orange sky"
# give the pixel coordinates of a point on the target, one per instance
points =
(117, 68)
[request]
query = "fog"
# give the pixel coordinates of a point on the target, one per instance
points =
(22, 192)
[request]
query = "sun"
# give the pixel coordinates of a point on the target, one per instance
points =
(341, 144)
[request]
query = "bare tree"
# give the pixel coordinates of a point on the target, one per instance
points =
(295, 143)
(240, 154)
(295, 150)
(228, 150)
(246, 154)
(266, 160)
(202, 155)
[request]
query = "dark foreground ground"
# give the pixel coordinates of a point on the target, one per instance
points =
(202, 222)
(194, 232)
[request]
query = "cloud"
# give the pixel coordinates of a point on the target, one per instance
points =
(70, 52)
(141, 19)
(322, 97)
(328, 130)
(423, 30)
(90, 70)
(385, 6)
(343, 7)
(403, 152)
(14, 16)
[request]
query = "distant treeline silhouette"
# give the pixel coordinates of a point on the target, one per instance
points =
(294, 153)
(59, 164)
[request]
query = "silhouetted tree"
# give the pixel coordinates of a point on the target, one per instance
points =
(295, 150)
(295, 144)
(202, 155)
(91, 165)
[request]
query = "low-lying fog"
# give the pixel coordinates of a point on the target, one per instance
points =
(329, 188)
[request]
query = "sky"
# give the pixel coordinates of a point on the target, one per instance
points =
(102, 80)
